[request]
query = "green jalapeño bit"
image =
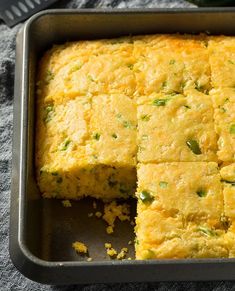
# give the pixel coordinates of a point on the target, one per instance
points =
(146, 197)
(194, 146)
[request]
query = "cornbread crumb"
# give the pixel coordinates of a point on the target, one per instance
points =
(89, 259)
(94, 205)
(129, 259)
(132, 223)
(66, 203)
(113, 211)
(90, 214)
(80, 247)
(107, 245)
(109, 229)
(122, 253)
(98, 214)
(130, 242)
(111, 252)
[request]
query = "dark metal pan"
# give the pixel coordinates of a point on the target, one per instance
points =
(41, 230)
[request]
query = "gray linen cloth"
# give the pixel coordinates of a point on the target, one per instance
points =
(10, 278)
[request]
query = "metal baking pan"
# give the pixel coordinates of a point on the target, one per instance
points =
(41, 230)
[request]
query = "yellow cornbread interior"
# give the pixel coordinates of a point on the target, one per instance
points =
(157, 110)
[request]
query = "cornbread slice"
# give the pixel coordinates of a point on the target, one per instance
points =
(164, 237)
(224, 104)
(192, 190)
(68, 163)
(175, 128)
(179, 211)
(84, 68)
(113, 130)
(171, 64)
(222, 61)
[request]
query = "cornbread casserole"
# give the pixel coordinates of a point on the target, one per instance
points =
(158, 110)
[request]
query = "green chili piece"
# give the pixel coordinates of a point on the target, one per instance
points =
(194, 146)
(145, 117)
(163, 184)
(160, 102)
(114, 135)
(96, 136)
(207, 231)
(201, 193)
(232, 129)
(146, 197)
(65, 144)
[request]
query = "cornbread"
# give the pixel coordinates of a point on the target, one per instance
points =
(171, 63)
(197, 186)
(156, 110)
(167, 122)
(224, 115)
(179, 211)
(80, 247)
(72, 154)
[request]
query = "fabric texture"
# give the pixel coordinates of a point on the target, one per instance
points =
(10, 278)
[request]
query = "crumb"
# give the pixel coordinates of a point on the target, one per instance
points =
(130, 242)
(129, 259)
(94, 205)
(66, 203)
(132, 223)
(111, 252)
(90, 214)
(89, 259)
(107, 245)
(113, 211)
(80, 247)
(122, 253)
(109, 229)
(98, 214)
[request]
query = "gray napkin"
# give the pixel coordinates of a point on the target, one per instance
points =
(10, 278)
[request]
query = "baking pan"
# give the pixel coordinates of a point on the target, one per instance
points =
(41, 230)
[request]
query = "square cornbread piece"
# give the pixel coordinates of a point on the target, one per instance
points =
(160, 236)
(179, 211)
(222, 61)
(175, 128)
(87, 67)
(66, 166)
(171, 63)
(192, 190)
(113, 128)
(224, 115)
